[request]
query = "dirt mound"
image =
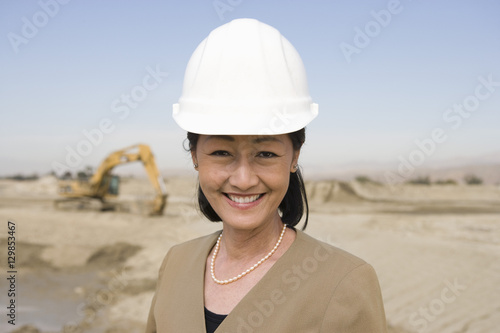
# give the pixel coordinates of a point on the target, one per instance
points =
(331, 191)
(113, 255)
(27, 329)
(428, 193)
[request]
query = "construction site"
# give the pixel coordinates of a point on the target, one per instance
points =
(128, 127)
(82, 269)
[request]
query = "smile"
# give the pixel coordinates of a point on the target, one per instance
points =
(244, 199)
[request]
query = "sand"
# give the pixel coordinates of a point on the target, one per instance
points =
(436, 250)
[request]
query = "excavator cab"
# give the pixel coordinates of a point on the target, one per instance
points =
(114, 184)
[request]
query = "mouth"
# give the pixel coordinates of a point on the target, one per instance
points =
(243, 199)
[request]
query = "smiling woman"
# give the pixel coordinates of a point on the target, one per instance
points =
(235, 169)
(292, 205)
(249, 276)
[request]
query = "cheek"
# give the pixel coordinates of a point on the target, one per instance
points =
(284, 182)
(278, 180)
(211, 179)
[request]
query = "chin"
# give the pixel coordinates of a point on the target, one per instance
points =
(245, 221)
(241, 222)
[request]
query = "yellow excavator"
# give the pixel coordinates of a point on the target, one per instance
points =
(103, 185)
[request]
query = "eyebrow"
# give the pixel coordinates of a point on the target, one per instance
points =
(260, 139)
(267, 138)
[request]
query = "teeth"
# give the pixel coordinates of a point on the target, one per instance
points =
(246, 199)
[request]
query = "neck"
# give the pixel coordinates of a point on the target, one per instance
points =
(241, 244)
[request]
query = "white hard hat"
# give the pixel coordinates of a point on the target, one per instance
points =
(244, 78)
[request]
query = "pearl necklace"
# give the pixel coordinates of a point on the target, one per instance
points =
(216, 250)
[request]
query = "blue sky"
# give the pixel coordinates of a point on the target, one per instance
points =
(63, 65)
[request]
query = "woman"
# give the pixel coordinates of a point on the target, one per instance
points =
(245, 105)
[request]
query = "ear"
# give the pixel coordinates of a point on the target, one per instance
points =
(194, 159)
(295, 161)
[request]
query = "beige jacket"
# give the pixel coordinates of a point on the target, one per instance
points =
(313, 287)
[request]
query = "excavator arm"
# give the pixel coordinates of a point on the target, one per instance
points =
(139, 152)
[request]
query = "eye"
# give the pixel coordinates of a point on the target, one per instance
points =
(267, 154)
(220, 153)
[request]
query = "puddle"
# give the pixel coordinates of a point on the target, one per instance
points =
(49, 299)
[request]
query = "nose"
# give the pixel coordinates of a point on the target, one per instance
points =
(243, 175)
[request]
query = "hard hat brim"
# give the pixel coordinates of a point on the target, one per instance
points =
(254, 122)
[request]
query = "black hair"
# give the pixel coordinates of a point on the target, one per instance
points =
(294, 203)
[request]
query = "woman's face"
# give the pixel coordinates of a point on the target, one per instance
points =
(245, 177)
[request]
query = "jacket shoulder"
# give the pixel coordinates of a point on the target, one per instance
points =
(333, 254)
(197, 244)
(350, 288)
(189, 253)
